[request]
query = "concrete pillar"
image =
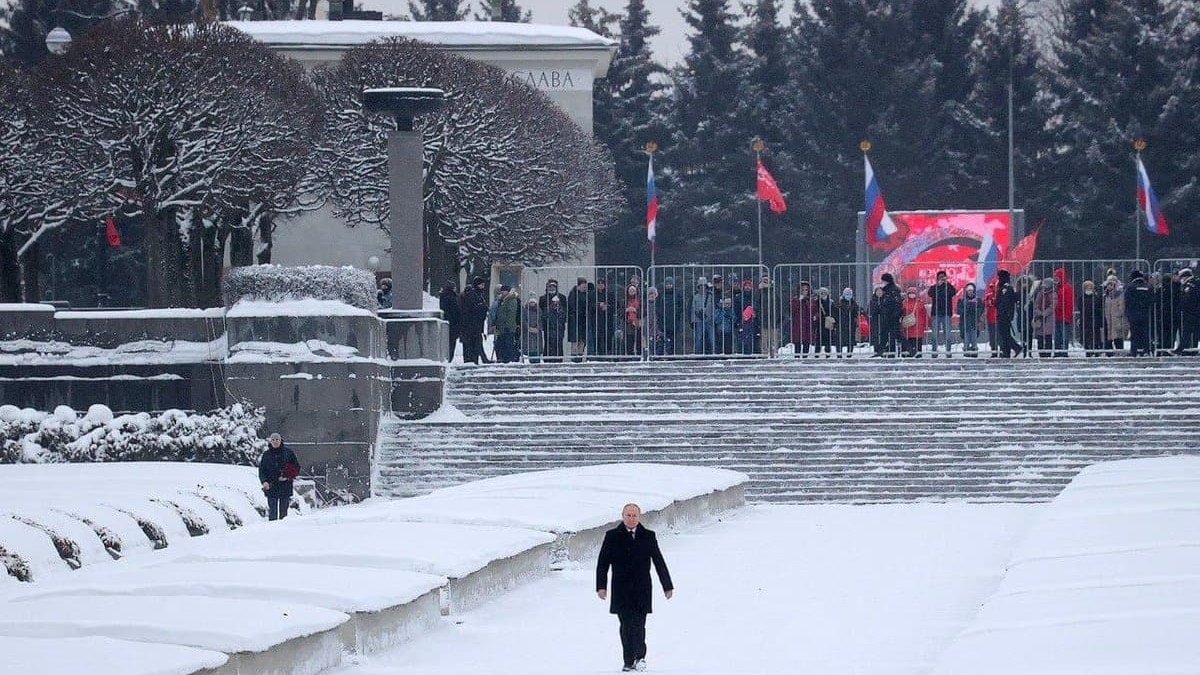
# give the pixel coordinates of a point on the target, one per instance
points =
(405, 177)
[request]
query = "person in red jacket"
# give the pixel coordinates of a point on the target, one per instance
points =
(989, 302)
(1064, 313)
(914, 321)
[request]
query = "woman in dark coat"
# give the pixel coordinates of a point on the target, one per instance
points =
(1091, 319)
(276, 470)
(846, 313)
(554, 329)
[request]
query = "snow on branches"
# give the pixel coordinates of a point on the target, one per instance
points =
(508, 175)
(194, 120)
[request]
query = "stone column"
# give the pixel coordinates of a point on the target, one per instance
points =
(405, 176)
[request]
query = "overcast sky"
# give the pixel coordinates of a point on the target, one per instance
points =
(669, 46)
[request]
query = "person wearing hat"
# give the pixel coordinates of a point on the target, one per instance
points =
(508, 326)
(276, 470)
(892, 310)
(803, 312)
(383, 296)
(941, 298)
(1139, 301)
(605, 317)
(531, 330)
(1166, 312)
(474, 314)
(1091, 319)
(449, 303)
(1189, 313)
(1116, 326)
(672, 317)
(703, 312)
(581, 317)
(764, 312)
(1006, 310)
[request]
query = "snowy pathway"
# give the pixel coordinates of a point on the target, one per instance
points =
(852, 590)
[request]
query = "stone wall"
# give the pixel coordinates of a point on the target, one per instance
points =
(327, 408)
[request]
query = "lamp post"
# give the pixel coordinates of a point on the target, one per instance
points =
(758, 146)
(245, 13)
(1138, 145)
(405, 178)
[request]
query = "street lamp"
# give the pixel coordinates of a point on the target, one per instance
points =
(57, 40)
(245, 13)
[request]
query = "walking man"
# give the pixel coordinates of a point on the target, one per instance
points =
(628, 549)
(276, 470)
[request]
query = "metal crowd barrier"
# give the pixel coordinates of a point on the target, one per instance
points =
(712, 310)
(585, 313)
(616, 312)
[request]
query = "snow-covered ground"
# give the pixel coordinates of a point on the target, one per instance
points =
(771, 590)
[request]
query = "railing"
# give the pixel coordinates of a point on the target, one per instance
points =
(622, 312)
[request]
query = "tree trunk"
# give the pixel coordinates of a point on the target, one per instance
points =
(31, 269)
(241, 247)
(266, 228)
(10, 269)
(164, 262)
(214, 254)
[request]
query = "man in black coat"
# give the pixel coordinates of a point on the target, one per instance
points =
(474, 313)
(276, 470)
(892, 307)
(1006, 310)
(448, 301)
(1139, 300)
(628, 549)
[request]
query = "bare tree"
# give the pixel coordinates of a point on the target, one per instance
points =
(190, 127)
(508, 175)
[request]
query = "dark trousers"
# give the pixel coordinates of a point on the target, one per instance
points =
(633, 636)
(277, 507)
(472, 347)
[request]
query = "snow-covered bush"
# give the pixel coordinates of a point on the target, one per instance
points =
(222, 436)
(276, 283)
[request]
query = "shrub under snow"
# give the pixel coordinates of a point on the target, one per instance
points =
(222, 436)
(275, 283)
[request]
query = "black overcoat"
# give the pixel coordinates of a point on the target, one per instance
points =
(630, 557)
(271, 469)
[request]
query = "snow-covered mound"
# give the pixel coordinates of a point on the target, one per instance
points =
(1104, 583)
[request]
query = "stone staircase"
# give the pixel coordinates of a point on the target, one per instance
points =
(852, 431)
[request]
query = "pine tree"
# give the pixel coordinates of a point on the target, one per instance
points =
(437, 10)
(1008, 53)
(1124, 70)
(596, 19)
(510, 12)
(711, 208)
(629, 110)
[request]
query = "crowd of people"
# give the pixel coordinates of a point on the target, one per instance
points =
(1155, 314)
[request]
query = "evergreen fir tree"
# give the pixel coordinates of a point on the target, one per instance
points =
(596, 19)
(629, 111)
(437, 10)
(1124, 69)
(510, 12)
(711, 212)
(1007, 52)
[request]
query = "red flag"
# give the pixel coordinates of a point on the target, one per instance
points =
(1021, 255)
(111, 233)
(769, 191)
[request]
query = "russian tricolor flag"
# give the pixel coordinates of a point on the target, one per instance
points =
(651, 201)
(988, 261)
(1148, 203)
(879, 225)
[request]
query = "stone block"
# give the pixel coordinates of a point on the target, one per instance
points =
(364, 333)
(25, 320)
(114, 327)
(417, 391)
(416, 335)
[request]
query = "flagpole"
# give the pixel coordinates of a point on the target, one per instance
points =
(651, 148)
(758, 146)
(1138, 146)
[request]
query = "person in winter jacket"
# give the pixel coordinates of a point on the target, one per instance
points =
(554, 329)
(531, 330)
(474, 313)
(989, 303)
(1165, 323)
(1042, 319)
(383, 296)
(1091, 319)
(1189, 313)
(893, 301)
(1027, 290)
(941, 297)
(508, 326)
(548, 296)
(914, 322)
(804, 319)
(448, 302)
(825, 320)
(748, 331)
(651, 331)
(1139, 301)
(277, 468)
(581, 306)
(1116, 326)
(726, 326)
(1064, 313)
(672, 318)
(632, 328)
(1006, 309)
(875, 317)
(606, 313)
(845, 314)
(703, 311)
(970, 314)
(766, 314)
